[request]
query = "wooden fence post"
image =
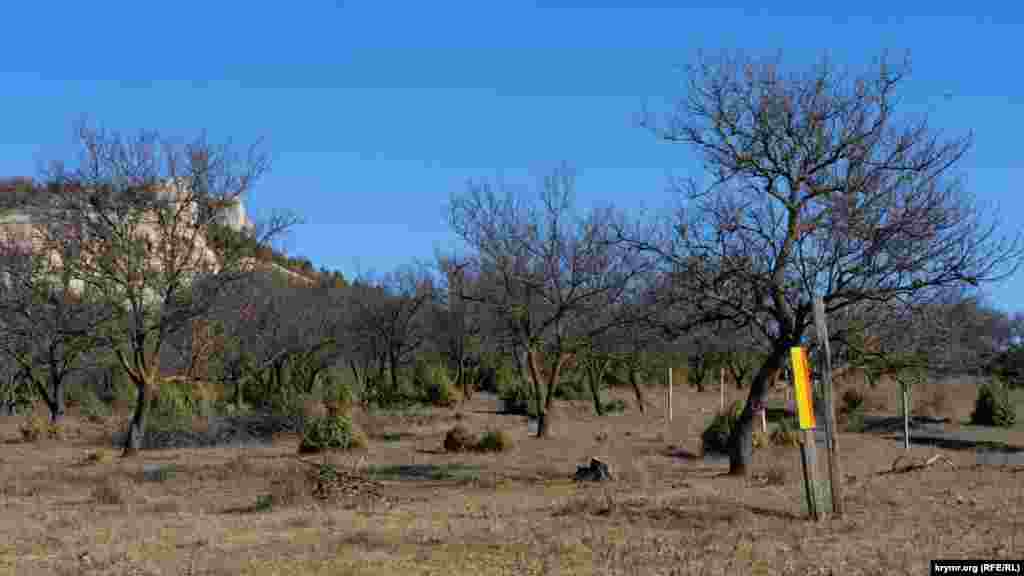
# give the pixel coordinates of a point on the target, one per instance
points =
(835, 479)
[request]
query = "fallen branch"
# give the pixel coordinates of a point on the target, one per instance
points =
(916, 464)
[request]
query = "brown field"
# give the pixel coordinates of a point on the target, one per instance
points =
(412, 509)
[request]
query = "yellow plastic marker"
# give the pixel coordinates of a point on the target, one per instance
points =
(802, 382)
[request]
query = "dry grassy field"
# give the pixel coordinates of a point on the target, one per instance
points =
(406, 507)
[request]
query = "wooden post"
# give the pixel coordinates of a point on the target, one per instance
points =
(835, 478)
(809, 459)
(669, 393)
(805, 413)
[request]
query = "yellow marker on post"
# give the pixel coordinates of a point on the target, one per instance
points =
(805, 411)
(802, 382)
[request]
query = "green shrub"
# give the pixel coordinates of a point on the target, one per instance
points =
(993, 406)
(574, 389)
(331, 433)
(37, 427)
(715, 438)
(504, 377)
(518, 398)
(494, 441)
(458, 439)
(615, 406)
(852, 401)
(436, 385)
(91, 407)
(787, 433)
(177, 402)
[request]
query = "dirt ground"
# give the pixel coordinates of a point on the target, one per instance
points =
(410, 508)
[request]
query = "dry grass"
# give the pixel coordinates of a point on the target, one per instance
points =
(407, 507)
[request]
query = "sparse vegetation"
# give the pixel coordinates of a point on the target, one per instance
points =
(331, 433)
(131, 304)
(715, 438)
(786, 433)
(494, 441)
(458, 439)
(437, 386)
(37, 427)
(993, 406)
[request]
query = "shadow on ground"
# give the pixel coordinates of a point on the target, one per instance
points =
(419, 472)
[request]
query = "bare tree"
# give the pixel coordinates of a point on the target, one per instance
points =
(48, 321)
(543, 269)
(817, 188)
(461, 323)
(389, 317)
(144, 209)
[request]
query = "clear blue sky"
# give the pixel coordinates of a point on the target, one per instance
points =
(376, 111)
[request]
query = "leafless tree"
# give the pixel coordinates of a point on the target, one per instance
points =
(145, 210)
(48, 322)
(543, 269)
(817, 188)
(389, 318)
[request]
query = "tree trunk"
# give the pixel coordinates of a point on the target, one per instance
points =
(535, 374)
(57, 400)
(556, 374)
(137, 426)
(595, 372)
(636, 387)
(741, 446)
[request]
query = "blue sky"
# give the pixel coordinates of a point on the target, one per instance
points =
(376, 111)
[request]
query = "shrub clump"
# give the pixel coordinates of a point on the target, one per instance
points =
(575, 389)
(786, 434)
(852, 401)
(458, 439)
(993, 406)
(518, 398)
(176, 402)
(37, 427)
(437, 386)
(851, 410)
(715, 438)
(494, 441)
(615, 406)
(331, 433)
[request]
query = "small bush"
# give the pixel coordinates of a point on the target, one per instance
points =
(176, 402)
(518, 398)
(786, 434)
(494, 441)
(99, 457)
(331, 433)
(760, 439)
(615, 406)
(715, 438)
(437, 386)
(37, 427)
(852, 401)
(92, 408)
(993, 406)
(572, 390)
(458, 439)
